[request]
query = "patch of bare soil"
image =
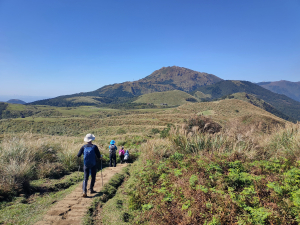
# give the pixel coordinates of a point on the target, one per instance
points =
(73, 207)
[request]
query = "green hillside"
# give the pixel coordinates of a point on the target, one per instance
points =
(164, 79)
(199, 95)
(171, 98)
(282, 103)
(16, 101)
(74, 120)
(259, 103)
(288, 88)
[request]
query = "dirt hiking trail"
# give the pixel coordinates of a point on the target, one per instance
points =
(73, 207)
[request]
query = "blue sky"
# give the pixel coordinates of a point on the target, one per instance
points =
(58, 47)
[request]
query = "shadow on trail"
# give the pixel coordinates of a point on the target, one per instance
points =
(99, 194)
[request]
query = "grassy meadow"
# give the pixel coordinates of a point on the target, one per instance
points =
(171, 98)
(223, 162)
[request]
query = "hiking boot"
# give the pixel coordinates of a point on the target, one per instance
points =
(92, 191)
(84, 194)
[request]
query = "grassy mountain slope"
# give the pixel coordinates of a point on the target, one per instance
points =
(282, 103)
(8, 110)
(259, 103)
(199, 95)
(288, 88)
(171, 98)
(104, 121)
(228, 110)
(16, 101)
(77, 100)
(164, 79)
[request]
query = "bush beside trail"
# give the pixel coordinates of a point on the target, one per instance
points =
(219, 179)
(27, 157)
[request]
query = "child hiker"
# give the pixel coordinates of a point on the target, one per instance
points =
(112, 153)
(126, 156)
(90, 152)
(121, 154)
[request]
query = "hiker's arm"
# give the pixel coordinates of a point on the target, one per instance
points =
(97, 152)
(80, 151)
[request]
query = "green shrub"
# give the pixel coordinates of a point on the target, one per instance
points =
(119, 203)
(116, 180)
(121, 131)
(155, 131)
(177, 156)
(109, 191)
(191, 100)
(193, 180)
(165, 132)
(126, 217)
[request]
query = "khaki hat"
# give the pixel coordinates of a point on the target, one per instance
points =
(89, 137)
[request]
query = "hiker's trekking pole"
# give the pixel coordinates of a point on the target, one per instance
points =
(101, 171)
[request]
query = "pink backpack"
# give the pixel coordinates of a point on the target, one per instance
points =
(121, 152)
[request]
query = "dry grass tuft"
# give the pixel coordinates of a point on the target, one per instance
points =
(24, 157)
(283, 142)
(156, 149)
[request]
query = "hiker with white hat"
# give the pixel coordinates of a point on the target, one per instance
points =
(90, 152)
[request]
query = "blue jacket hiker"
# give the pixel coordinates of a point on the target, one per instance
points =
(126, 156)
(90, 152)
(112, 153)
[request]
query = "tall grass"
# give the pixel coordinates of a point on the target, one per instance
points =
(156, 149)
(237, 176)
(219, 143)
(284, 142)
(24, 157)
(245, 140)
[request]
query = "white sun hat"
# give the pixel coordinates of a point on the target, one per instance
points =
(89, 137)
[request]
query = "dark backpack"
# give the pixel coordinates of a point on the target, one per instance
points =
(89, 156)
(112, 149)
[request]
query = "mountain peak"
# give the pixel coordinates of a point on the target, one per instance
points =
(181, 78)
(164, 79)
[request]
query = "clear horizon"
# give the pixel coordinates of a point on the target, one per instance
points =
(25, 98)
(65, 47)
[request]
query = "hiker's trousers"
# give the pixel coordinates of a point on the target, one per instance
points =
(122, 158)
(112, 157)
(86, 171)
